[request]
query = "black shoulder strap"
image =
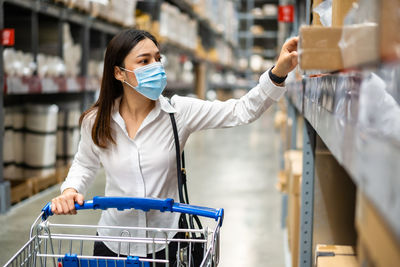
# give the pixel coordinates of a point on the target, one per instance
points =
(182, 178)
(180, 169)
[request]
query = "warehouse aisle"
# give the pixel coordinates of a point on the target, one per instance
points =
(230, 168)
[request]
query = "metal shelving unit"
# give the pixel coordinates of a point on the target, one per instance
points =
(266, 39)
(357, 116)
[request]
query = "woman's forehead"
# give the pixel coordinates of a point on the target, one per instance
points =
(145, 46)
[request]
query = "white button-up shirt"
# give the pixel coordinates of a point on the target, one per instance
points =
(145, 166)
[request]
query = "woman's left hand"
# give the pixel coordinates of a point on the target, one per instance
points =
(287, 60)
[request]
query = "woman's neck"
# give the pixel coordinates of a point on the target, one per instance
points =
(135, 105)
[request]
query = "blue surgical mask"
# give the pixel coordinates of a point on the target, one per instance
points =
(151, 80)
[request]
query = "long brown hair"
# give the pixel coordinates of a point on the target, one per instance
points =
(118, 48)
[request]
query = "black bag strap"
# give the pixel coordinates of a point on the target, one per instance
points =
(182, 187)
(179, 167)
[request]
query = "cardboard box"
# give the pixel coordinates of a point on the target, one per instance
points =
(334, 201)
(380, 245)
(294, 164)
(280, 119)
(335, 256)
(319, 48)
(282, 183)
(363, 257)
(340, 8)
(389, 29)
(291, 156)
(324, 48)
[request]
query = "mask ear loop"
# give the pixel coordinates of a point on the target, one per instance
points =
(123, 69)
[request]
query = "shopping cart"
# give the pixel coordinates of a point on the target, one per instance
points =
(50, 246)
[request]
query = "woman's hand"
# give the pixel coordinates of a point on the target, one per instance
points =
(287, 60)
(65, 203)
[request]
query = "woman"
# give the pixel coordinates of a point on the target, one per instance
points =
(128, 131)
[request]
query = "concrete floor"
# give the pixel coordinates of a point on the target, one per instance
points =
(234, 169)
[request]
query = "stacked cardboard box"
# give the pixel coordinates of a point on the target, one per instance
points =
(335, 48)
(377, 245)
(373, 39)
(293, 168)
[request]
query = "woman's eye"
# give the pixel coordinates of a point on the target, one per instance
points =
(144, 61)
(159, 59)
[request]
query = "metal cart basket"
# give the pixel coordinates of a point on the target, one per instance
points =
(62, 245)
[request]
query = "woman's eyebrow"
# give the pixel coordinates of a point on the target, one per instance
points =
(148, 54)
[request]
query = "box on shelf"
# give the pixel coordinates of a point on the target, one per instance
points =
(293, 168)
(281, 185)
(224, 95)
(340, 8)
(378, 245)
(319, 49)
(334, 200)
(324, 48)
(280, 118)
(335, 256)
(257, 29)
(389, 32)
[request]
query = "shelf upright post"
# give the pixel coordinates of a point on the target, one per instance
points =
(292, 112)
(249, 37)
(61, 22)
(307, 196)
(85, 44)
(5, 189)
(35, 31)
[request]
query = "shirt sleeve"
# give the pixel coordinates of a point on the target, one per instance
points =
(199, 114)
(86, 161)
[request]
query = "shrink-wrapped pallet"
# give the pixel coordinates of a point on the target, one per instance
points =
(40, 140)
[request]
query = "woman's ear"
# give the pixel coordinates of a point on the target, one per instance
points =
(119, 74)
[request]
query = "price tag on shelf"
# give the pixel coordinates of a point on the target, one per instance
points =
(286, 13)
(8, 37)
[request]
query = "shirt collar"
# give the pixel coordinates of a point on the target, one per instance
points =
(162, 103)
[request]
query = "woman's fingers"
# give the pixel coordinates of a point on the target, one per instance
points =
(79, 199)
(65, 203)
(288, 58)
(291, 44)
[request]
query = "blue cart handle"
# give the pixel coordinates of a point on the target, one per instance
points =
(145, 204)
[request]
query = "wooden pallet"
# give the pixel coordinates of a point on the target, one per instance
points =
(21, 190)
(41, 183)
(61, 173)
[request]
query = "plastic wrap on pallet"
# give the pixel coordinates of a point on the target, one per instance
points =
(40, 140)
(95, 68)
(68, 133)
(8, 149)
(18, 140)
(72, 53)
(18, 63)
(13, 149)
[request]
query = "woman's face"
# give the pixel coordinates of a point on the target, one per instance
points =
(144, 53)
